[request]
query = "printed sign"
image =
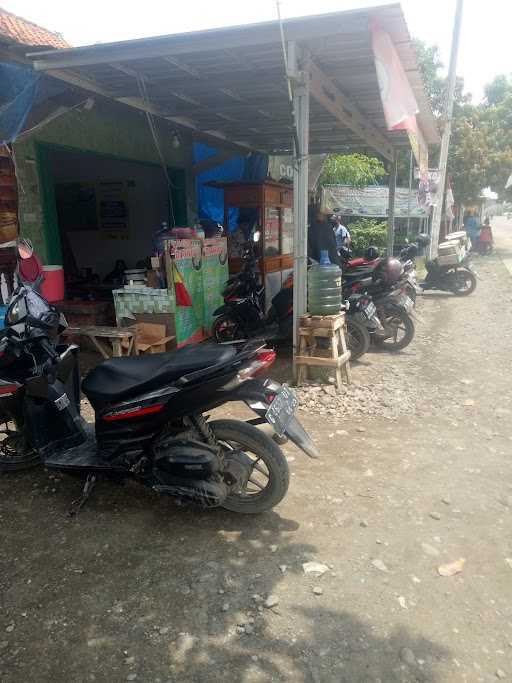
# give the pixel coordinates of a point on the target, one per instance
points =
(215, 275)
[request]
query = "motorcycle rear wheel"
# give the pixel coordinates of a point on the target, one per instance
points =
(270, 476)
(404, 331)
(358, 338)
(14, 455)
(464, 282)
(227, 329)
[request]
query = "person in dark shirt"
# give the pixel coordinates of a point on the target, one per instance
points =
(321, 237)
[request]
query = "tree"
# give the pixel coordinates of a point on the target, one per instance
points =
(358, 170)
(480, 153)
(498, 90)
(430, 64)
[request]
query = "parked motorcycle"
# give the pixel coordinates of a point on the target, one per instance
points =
(361, 321)
(394, 309)
(410, 279)
(243, 313)
(151, 415)
(451, 271)
(460, 279)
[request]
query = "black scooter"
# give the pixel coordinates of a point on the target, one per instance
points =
(459, 279)
(243, 315)
(152, 422)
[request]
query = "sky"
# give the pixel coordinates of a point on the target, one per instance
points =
(485, 42)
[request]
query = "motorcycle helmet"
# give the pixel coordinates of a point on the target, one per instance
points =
(389, 271)
(412, 251)
(372, 253)
(423, 239)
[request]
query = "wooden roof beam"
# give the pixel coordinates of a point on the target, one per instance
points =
(328, 94)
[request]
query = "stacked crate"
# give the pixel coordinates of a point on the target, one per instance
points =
(451, 253)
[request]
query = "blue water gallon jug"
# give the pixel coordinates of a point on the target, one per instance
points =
(324, 287)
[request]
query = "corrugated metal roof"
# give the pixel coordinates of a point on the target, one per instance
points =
(230, 83)
(18, 30)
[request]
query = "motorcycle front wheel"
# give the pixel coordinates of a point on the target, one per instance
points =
(227, 329)
(14, 453)
(270, 476)
(464, 282)
(358, 338)
(400, 328)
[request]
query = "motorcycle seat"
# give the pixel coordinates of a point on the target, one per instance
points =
(119, 378)
(357, 273)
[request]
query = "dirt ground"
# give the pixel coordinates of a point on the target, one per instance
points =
(137, 589)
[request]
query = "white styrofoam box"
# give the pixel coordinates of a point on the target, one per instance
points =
(458, 236)
(446, 248)
(448, 259)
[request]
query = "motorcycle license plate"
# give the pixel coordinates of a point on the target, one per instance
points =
(407, 303)
(281, 410)
(370, 310)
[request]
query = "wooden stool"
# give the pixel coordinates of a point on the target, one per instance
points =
(331, 327)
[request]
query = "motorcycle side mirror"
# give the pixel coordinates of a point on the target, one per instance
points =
(256, 236)
(25, 249)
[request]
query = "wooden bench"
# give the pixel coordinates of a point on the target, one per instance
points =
(329, 327)
(110, 341)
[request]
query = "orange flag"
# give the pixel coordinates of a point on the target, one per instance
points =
(180, 290)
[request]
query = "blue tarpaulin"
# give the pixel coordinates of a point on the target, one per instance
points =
(21, 89)
(210, 200)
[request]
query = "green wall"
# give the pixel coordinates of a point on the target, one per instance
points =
(106, 129)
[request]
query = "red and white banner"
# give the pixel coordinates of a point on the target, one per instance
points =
(398, 101)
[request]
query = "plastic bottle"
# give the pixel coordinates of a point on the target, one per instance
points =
(324, 287)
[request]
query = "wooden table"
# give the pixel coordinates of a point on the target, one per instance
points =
(108, 340)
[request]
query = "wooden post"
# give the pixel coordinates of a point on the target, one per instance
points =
(391, 205)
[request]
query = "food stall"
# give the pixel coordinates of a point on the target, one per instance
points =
(196, 268)
(266, 206)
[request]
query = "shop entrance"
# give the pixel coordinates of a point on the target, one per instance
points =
(100, 210)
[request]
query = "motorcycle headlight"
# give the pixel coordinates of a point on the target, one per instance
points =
(13, 314)
(16, 312)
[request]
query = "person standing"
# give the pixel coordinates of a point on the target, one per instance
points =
(472, 226)
(321, 236)
(341, 234)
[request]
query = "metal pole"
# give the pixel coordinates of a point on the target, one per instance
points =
(411, 157)
(445, 142)
(300, 192)
(391, 204)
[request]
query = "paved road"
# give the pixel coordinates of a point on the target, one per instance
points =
(137, 589)
(502, 230)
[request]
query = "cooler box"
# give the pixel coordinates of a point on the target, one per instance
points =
(52, 287)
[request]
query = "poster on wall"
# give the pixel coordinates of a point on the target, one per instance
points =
(113, 215)
(215, 276)
(188, 259)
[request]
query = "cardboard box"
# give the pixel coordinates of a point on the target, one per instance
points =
(151, 338)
